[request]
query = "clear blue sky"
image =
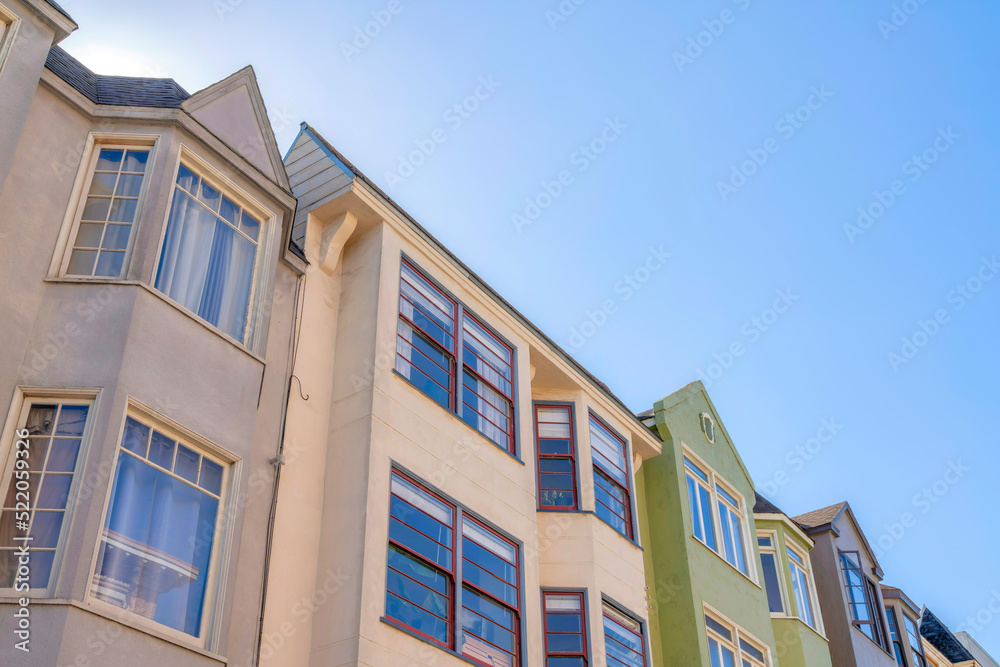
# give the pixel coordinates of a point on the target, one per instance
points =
(679, 124)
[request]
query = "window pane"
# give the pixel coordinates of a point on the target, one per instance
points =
(609, 451)
(770, 570)
(128, 185)
(422, 500)
(764, 541)
(425, 306)
(706, 516)
(116, 237)
(109, 263)
(611, 503)
(136, 437)
(205, 265)
(488, 635)
(89, 235)
(487, 356)
(187, 179)
(54, 492)
(413, 616)
(135, 161)
(553, 422)
(555, 602)
(622, 641)
(211, 476)
(81, 262)
(109, 160)
(103, 184)
(693, 508)
(250, 226)
(486, 410)
(156, 545)
(187, 464)
(424, 364)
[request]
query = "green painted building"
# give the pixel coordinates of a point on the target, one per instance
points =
(787, 577)
(708, 604)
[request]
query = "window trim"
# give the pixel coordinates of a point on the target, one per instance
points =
(585, 616)
(95, 142)
(875, 609)
(460, 511)
(10, 23)
(574, 455)
(633, 519)
(643, 627)
(255, 333)
(23, 399)
(916, 626)
(219, 561)
(738, 633)
(456, 405)
(779, 573)
(896, 642)
(750, 554)
(810, 583)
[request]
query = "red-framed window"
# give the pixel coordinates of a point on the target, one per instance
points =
(624, 644)
(487, 383)
(611, 478)
(420, 579)
(426, 591)
(430, 352)
(556, 449)
(565, 629)
(426, 346)
(490, 596)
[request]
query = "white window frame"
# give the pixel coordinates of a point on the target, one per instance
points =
(96, 142)
(9, 23)
(254, 329)
(810, 585)
(715, 480)
(779, 570)
(24, 399)
(734, 644)
(212, 612)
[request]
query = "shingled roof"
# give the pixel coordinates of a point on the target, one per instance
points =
(821, 517)
(765, 506)
(129, 91)
(938, 634)
(59, 9)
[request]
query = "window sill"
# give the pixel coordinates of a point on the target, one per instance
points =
(402, 628)
(464, 423)
(730, 565)
(124, 618)
(83, 280)
(785, 617)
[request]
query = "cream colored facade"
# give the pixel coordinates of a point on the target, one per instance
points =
(362, 418)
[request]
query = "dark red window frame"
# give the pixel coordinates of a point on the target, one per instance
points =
(641, 635)
(583, 626)
(461, 359)
(609, 475)
(428, 562)
(571, 457)
(456, 586)
(515, 609)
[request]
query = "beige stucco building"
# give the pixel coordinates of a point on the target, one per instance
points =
(148, 305)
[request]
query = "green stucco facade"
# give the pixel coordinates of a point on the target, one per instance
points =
(683, 574)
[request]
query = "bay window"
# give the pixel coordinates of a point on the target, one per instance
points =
(729, 645)
(612, 498)
(158, 545)
(897, 644)
(565, 629)
(426, 591)
(556, 449)
(210, 253)
(862, 600)
(718, 518)
(36, 486)
(624, 643)
(771, 568)
(108, 211)
(429, 353)
(802, 587)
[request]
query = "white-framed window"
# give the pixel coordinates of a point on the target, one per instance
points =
(707, 426)
(41, 461)
(803, 586)
(771, 570)
(164, 528)
(8, 22)
(109, 206)
(731, 646)
(212, 249)
(718, 514)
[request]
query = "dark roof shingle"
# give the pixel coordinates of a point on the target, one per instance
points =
(820, 517)
(938, 634)
(129, 91)
(765, 506)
